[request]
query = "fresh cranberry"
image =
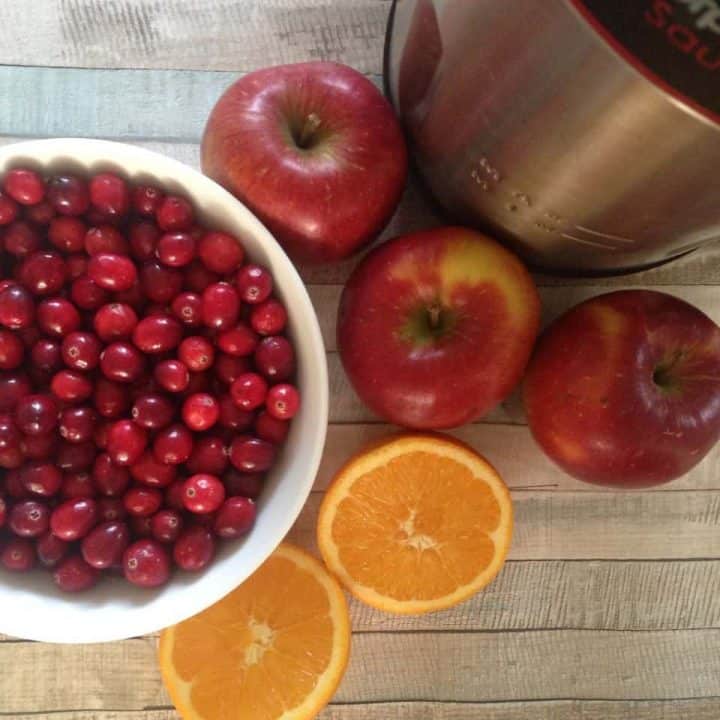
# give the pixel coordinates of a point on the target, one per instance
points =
(45, 354)
(175, 249)
(157, 334)
(146, 200)
(24, 186)
(250, 454)
(173, 445)
(71, 386)
(110, 194)
(11, 455)
(194, 548)
(115, 321)
(198, 277)
(74, 518)
(196, 353)
(104, 546)
(81, 351)
(238, 341)
(78, 485)
(254, 283)
(68, 194)
(199, 383)
(134, 297)
(74, 457)
(57, 316)
(74, 575)
(142, 500)
(166, 525)
(208, 456)
(220, 252)
(40, 213)
(269, 317)
(105, 239)
(126, 442)
(111, 399)
(29, 518)
(159, 283)
(200, 411)
(41, 478)
(271, 428)
(76, 265)
(111, 509)
(172, 375)
(111, 480)
(8, 209)
(283, 401)
(77, 424)
(43, 273)
(18, 555)
(17, 309)
(203, 493)
(249, 391)
(122, 362)
(232, 417)
(235, 518)
(140, 525)
(14, 486)
(50, 550)
(174, 213)
(220, 306)
(243, 484)
(112, 272)
(275, 358)
(11, 350)
(101, 432)
(39, 447)
(21, 239)
(153, 411)
(229, 368)
(67, 234)
(36, 414)
(86, 294)
(143, 237)
(187, 307)
(148, 471)
(146, 563)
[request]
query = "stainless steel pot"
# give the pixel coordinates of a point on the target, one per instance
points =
(586, 132)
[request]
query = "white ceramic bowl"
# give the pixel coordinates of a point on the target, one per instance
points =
(30, 605)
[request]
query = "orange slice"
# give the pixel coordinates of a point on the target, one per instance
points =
(415, 523)
(275, 647)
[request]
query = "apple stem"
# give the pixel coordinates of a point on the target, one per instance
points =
(309, 128)
(434, 316)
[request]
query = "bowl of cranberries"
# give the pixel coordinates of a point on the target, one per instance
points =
(163, 391)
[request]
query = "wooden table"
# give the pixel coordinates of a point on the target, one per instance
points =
(609, 606)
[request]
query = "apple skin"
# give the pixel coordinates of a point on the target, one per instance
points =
(314, 150)
(624, 389)
(435, 328)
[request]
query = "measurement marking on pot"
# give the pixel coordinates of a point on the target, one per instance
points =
(589, 242)
(605, 235)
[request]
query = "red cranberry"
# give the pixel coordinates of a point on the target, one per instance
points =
(238, 341)
(36, 414)
(250, 454)
(134, 297)
(115, 321)
(67, 234)
(153, 411)
(159, 283)
(77, 424)
(194, 549)
(76, 265)
(8, 209)
(173, 445)
(143, 238)
(157, 334)
(86, 294)
(187, 307)
(271, 429)
(172, 375)
(110, 194)
(166, 525)
(175, 249)
(57, 316)
(196, 353)
(199, 383)
(126, 442)
(244, 484)
(174, 214)
(24, 186)
(146, 563)
(220, 306)
(71, 386)
(146, 200)
(45, 354)
(68, 195)
(81, 350)
(254, 283)
(220, 252)
(17, 309)
(111, 399)
(78, 485)
(50, 550)
(101, 432)
(283, 401)
(11, 455)
(74, 518)
(174, 495)
(40, 213)
(74, 575)
(43, 273)
(249, 391)
(208, 456)
(11, 350)
(41, 478)
(122, 362)
(14, 486)
(105, 239)
(40, 447)
(18, 555)
(29, 518)
(235, 518)
(232, 417)
(111, 509)
(275, 358)
(73, 457)
(203, 493)
(112, 272)
(21, 239)
(229, 368)
(269, 317)
(111, 480)
(140, 525)
(200, 411)
(198, 277)
(104, 546)
(142, 500)
(148, 471)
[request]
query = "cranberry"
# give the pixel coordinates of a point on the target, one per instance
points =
(36, 414)
(159, 283)
(105, 239)
(78, 485)
(86, 294)
(115, 321)
(232, 417)
(110, 194)
(8, 209)
(250, 454)
(111, 508)
(275, 358)
(45, 354)
(229, 368)
(140, 525)
(122, 362)
(67, 234)
(146, 200)
(174, 214)
(175, 249)
(153, 411)
(198, 277)
(238, 341)
(208, 456)
(244, 484)
(14, 486)
(148, 471)
(50, 550)
(40, 213)
(74, 575)
(111, 480)
(220, 306)
(134, 297)
(172, 375)
(11, 350)
(254, 283)
(112, 272)
(76, 265)
(271, 429)
(81, 350)
(157, 334)
(249, 391)
(196, 353)
(187, 307)
(74, 518)
(24, 186)
(29, 518)
(41, 478)
(104, 546)
(203, 493)
(220, 252)
(73, 457)
(18, 555)
(269, 317)
(146, 563)
(194, 548)
(40, 447)
(126, 442)
(283, 401)
(111, 399)
(68, 194)
(166, 525)
(11, 455)
(71, 386)
(142, 500)
(17, 309)
(199, 383)
(173, 445)
(101, 432)
(174, 495)
(43, 273)
(143, 238)
(57, 316)
(21, 239)
(235, 518)
(200, 411)
(77, 424)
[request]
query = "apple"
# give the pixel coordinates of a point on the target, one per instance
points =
(314, 150)
(435, 328)
(624, 389)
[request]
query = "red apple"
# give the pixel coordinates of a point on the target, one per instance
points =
(435, 328)
(314, 150)
(624, 389)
